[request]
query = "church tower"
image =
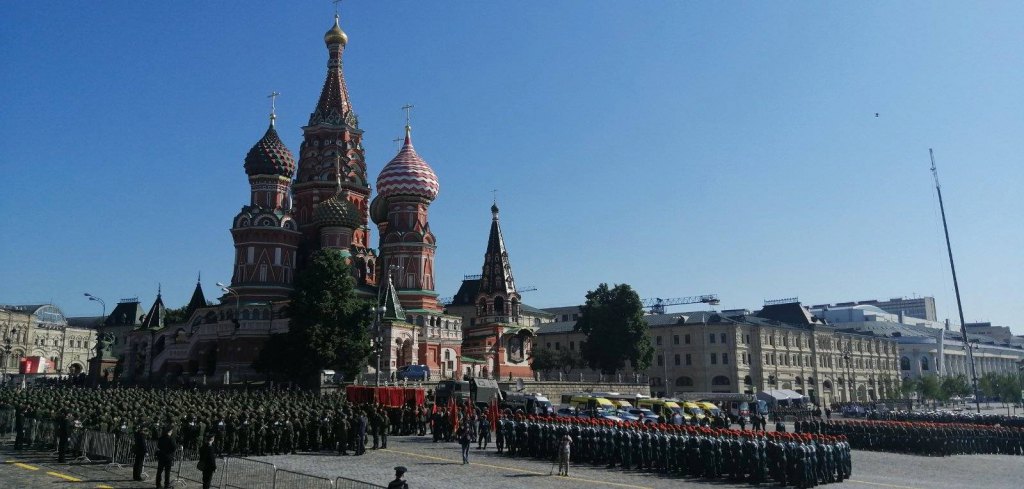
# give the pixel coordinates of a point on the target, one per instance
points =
(497, 334)
(405, 189)
(413, 325)
(265, 234)
(332, 151)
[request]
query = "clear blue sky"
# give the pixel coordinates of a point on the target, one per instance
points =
(681, 147)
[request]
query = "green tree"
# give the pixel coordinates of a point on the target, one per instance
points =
(176, 316)
(1009, 388)
(988, 384)
(329, 325)
(908, 387)
(928, 387)
(543, 359)
(613, 321)
(954, 387)
(569, 360)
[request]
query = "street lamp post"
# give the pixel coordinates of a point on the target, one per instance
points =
(971, 348)
(6, 351)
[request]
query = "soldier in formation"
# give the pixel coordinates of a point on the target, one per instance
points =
(245, 423)
(922, 438)
(800, 460)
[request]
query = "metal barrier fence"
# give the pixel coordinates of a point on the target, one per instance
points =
(234, 473)
(343, 483)
(242, 473)
(286, 479)
(187, 470)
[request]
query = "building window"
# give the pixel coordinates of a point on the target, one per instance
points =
(714, 359)
(711, 338)
(549, 345)
(558, 346)
(688, 359)
(686, 339)
(277, 256)
(657, 341)
(675, 339)
(746, 339)
(565, 317)
(575, 317)
(723, 339)
(263, 272)
(785, 341)
(677, 359)
(661, 360)
(771, 340)
(725, 359)
(572, 345)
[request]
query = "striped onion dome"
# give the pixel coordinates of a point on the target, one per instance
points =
(407, 174)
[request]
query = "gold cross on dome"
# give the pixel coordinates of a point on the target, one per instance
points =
(408, 114)
(273, 105)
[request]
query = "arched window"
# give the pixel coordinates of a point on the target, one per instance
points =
(827, 385)
(684, 382)
(924, 363)
(747, 380)
(482, 307)
(499, 305)
(720, 380)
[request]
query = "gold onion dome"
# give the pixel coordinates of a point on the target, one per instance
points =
(335, 35)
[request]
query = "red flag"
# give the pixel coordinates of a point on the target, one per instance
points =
(453, 412)
(494, 413)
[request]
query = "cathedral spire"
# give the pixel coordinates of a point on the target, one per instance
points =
(333, 108)
(497, 272)
(392, 305)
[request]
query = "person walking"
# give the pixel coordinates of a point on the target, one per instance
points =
(398, 483)
(207, 461)
(465, 439)
(564, 447)
(139, 449)
(483, 430)
(165, 448)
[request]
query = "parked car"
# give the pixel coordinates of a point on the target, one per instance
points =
(565, 413)
(413, 372)
(646, 414)
(626, 415)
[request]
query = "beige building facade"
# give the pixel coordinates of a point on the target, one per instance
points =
(780, 347)
(42, 330)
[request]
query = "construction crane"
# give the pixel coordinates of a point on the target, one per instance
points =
(658, 305)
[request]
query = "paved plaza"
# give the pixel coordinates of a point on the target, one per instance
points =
(439, 466)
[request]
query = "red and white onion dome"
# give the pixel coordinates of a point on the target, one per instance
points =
(407, 174)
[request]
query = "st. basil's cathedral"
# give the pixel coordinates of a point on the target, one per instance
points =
(326, 201)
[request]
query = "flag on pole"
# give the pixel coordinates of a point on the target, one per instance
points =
(494, 413)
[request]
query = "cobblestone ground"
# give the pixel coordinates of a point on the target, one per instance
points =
(439, 466)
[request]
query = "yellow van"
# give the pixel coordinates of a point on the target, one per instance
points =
(709, 408)
(662, 407)
(694, 410)
(585, 404)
